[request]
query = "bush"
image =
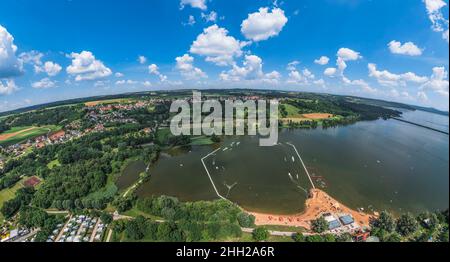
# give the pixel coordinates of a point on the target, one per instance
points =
(385, 222)
(319, 225)
(299, 237)
(246, 220)
(406, 225)
(106, 218)
(260, 234)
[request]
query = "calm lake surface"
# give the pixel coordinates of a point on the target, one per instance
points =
(374, 165)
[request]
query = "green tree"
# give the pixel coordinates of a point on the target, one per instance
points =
(136, 228)
(106, 217)
(299, 237)
(428, 220)
(329, 238)
(319, 225)
(394, 237)
(260, 234)
(246, 220)
(345, 237)
(215, 138)
(407, 224)
(385, 222)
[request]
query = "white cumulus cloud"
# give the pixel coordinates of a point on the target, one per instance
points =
(323, 60)
(51, 68)
(153, 69)
(438, 81)
(217, 46)
(44, 83)
(348, 54)
(387, 78)
(438, 22)
(408, 48)
(264, 24)
(186, 66)
(7, 87)
(10, 65)
(86, 67)
(252, 70)
(142, 59)
(200, 4)
(331, 71)
(211, 17)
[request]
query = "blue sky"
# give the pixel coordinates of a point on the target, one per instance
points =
(54, 50)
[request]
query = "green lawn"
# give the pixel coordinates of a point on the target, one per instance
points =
(201, 141)
(134, 212)
(292, 110)
(27, 132)
(285, 228)
(52, 164)
(162, 135)
(106, 192)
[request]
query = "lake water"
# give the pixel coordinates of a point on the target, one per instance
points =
(375, 165)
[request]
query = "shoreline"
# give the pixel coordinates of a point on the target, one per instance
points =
(318, 204)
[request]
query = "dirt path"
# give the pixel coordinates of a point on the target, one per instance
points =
(318, 204)
(108, 238)
(92, 238)
(62, 230)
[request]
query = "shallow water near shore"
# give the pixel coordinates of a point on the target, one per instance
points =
(375, 165)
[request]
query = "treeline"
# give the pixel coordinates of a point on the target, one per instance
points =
(351, 111)
(422, 228)
(190, 222)
(327, 123)
(305, 124)
(32, 217)
(22, 198)
(53, 116)
(369, 112)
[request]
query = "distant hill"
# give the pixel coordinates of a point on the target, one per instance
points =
(271, 93)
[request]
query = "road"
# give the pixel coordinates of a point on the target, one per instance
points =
(23, 238)
(108, 238)
(272, 233)
(62, 230)
(94, 231)
(276, 233)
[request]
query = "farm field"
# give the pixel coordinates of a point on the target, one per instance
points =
(21, 134)
(109, 101)
(293, 114)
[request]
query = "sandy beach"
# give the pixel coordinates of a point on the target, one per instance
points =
(318, 203)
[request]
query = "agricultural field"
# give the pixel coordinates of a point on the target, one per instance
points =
(22, 134)
(292, 114)
(109, 101)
